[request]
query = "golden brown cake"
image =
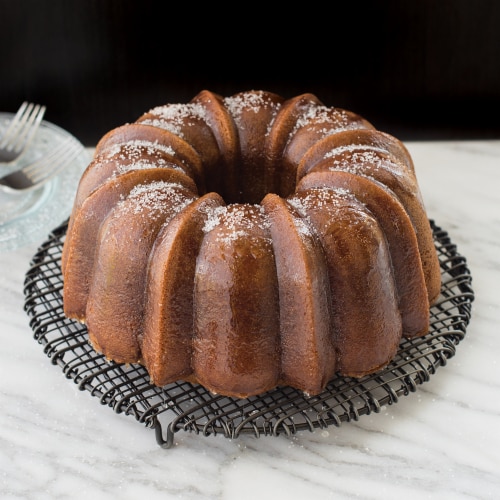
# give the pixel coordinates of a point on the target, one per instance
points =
(248, 242)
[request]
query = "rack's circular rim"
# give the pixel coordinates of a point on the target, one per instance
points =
(184, 406)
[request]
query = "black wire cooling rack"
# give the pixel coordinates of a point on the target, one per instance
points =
(189, 407)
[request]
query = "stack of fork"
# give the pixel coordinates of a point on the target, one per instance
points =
(20, 131)
(16, 139)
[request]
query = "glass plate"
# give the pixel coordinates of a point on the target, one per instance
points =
(26, 217)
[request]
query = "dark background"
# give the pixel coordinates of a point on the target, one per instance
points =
(419, 69)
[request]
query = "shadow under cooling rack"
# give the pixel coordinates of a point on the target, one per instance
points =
(186, 407)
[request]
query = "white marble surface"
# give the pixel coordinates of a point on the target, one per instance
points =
(441, 442)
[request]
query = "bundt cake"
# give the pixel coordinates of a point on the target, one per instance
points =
(248, 242)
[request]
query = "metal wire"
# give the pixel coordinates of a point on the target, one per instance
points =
(186, 407)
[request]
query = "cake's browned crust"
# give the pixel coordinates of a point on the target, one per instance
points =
(366, 323)
(79, 249)
(400, 179)
(115, 320)
(401, 239)
(236, 322)
(167, 346)
(249, 241)
(307, 348)
(226, 135)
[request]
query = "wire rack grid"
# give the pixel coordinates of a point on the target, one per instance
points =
(182, 406)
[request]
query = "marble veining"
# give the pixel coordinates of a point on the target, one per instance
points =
(442, 442)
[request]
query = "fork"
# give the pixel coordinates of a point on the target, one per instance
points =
(21, 130)
(35, 174)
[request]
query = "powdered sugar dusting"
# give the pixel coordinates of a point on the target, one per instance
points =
(251, 101)
(214, 218)
(137, 155)
(331, 204)
(237, 221)
(153, 199)
(175, 117)
(319, 199)
(145, 164)
(359, 160)
(301, 227)
(135, 149)
(362, 149)
(334, 119)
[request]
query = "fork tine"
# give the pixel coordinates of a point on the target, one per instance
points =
(42, 162)
(23, 126)
(57, 160)
(30, 126)
(14, 123)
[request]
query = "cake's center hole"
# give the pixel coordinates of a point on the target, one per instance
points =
(249, 182)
